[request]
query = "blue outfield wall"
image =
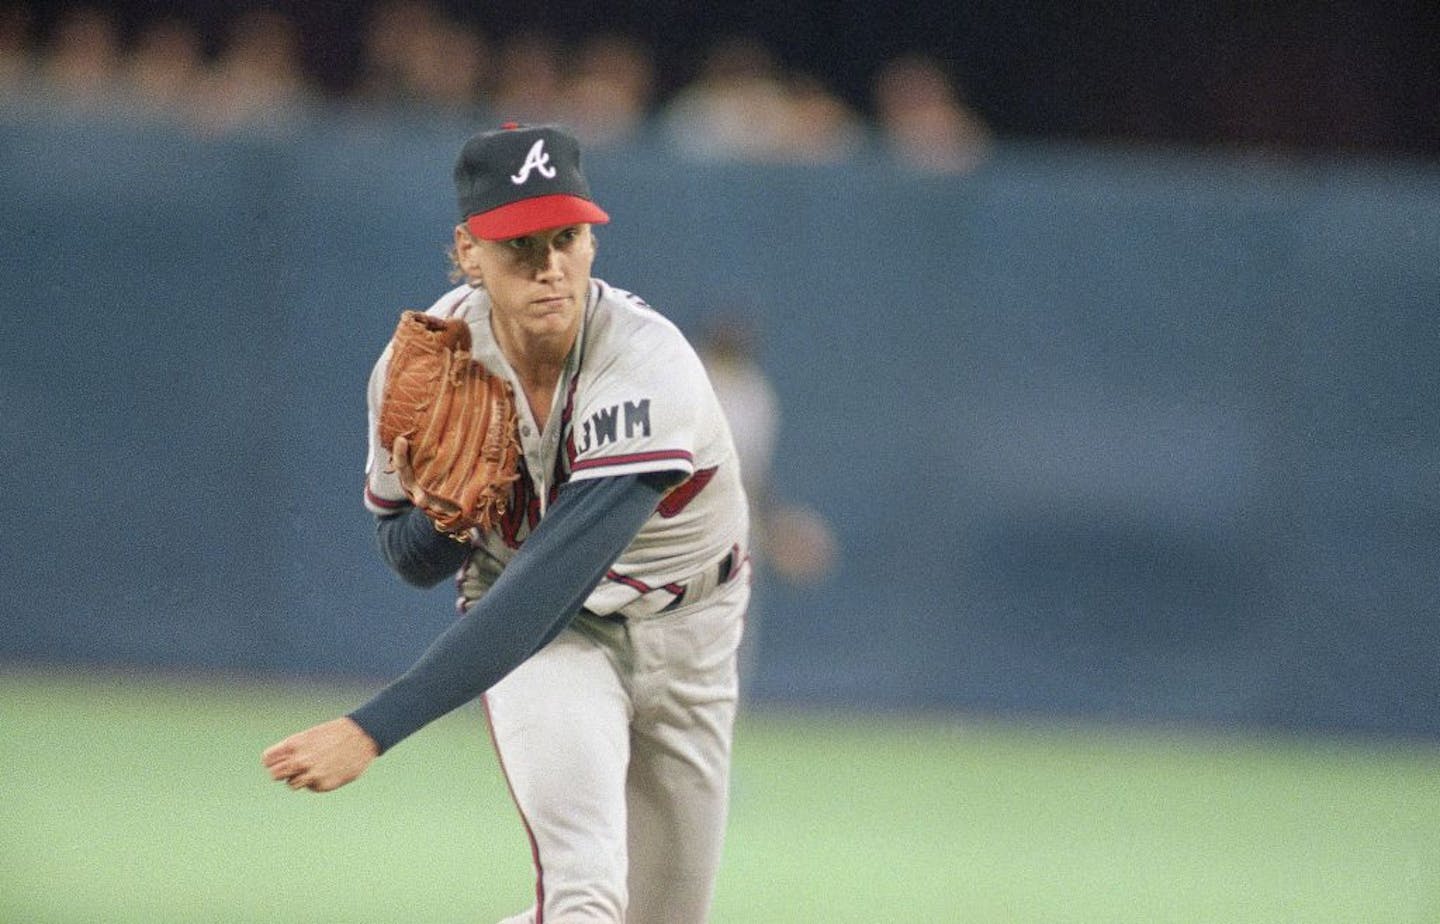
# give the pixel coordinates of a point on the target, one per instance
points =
(1140, 435)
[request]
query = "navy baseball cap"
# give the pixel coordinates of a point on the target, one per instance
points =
(522, 179)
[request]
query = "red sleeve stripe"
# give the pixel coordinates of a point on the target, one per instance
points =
(662, 455)
(384, 503)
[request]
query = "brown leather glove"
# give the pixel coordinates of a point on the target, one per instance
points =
(458, 418)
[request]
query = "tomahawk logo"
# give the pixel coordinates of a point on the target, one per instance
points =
(537, 159)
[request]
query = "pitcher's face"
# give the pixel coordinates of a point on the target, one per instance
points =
(537, 283)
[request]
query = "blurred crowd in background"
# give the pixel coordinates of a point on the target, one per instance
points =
(817, 82)
(417, 59)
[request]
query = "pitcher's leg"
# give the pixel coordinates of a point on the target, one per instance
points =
(678, 804)
(680, 769)
(560, 725)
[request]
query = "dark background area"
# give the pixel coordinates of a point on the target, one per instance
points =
(1132, 418)
(1333, 77)
(1146, 436)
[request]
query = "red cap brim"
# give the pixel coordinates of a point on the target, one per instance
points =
(527, 216)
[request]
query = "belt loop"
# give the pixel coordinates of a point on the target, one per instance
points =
(730, 564)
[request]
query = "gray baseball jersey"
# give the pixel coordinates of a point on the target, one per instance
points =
(637, 399)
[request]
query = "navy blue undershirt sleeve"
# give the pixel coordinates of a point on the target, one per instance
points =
(536, 596)
(415, 550)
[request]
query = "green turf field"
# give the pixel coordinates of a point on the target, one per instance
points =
(132, 800)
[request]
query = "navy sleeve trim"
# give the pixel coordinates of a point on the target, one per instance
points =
(415, 550)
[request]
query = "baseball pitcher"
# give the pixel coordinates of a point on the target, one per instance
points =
(553, 443)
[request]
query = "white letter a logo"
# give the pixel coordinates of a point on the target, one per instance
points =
(537, 159)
